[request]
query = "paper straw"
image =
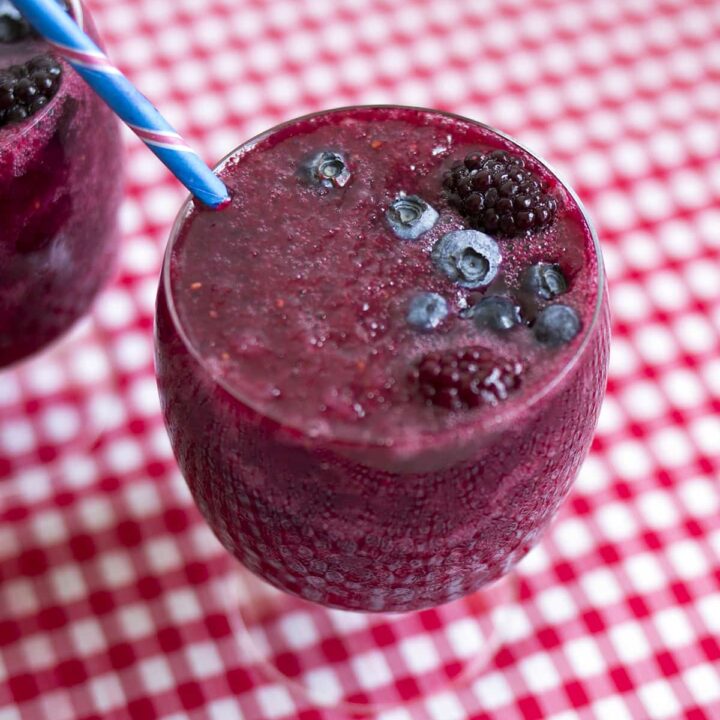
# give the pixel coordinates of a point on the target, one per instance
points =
(63, 34)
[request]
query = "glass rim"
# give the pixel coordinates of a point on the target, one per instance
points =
(485, 423)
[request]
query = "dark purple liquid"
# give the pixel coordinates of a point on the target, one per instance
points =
(60, 189)
(288, 401)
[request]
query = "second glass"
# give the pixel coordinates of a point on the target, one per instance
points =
(379, 387)
(60, 190)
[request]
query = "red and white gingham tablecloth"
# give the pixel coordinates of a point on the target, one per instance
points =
(109, 579)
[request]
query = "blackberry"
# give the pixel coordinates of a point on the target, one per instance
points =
(465, 378)
(25, 89)
(498, 194)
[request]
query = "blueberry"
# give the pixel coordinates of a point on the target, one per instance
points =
(9, 10)
(496, 312)
(556, 325)
(426, 311)
(327, 168)
(13, 26)
(410, 216)
(7, 29)
(545, 280)
(468, 257)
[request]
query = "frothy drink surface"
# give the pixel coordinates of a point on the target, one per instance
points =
(298, 294)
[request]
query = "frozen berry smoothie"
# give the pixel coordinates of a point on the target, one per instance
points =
(382, 364)
(60, 188)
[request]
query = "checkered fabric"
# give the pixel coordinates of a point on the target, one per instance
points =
(109, 579)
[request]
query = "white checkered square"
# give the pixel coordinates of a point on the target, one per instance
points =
(57, 705)
(299, 630)
(183, 606)
(585, 657)
(324, 685)
(136, 621)
(97, 513)
(612, 708)
(274, 701)
(672, 447)
(396, 714)
(19, 597)
(674, 627)
(143, 499)
(493, 690)
(703, 681)
(68, 583)
(116, 569)
(419, 653)
(709, 608)
(572, 537)
(465, 637)
(645, 573)
(107, 692)
(556, 604)
(204, 659)
(701, 496)
(227, 709)
(687, 559)
(38, 651)
(658, 509)
(87, 636)
(601, 587)
(539, 672)
(616, 522)
(156, 674)
(49, 527)
(163, 554)
(371, 669)
(629, 641)
(659, 700)
(445, 706)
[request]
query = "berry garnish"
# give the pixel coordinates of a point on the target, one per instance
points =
(498, 194)
(410, 216)
(462, 379)
(556, 325)
(545, 280)
(25, 89)
(426, 311)
(327, 168)
(468, 257)
(496, 312)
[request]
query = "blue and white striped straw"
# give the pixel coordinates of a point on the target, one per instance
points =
(61, 31)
